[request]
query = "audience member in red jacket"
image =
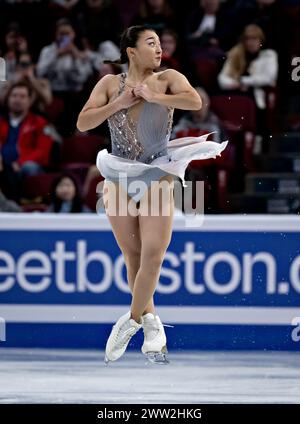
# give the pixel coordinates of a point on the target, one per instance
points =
(25, 143)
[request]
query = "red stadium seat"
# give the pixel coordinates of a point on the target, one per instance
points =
(192, 132)
(54, 110)
(238, 114)
(272, 108)
(207, 72)
(81, 149)
(237, 111)
(34, 207)
(225, 161)
(36, 188)
(79, 170)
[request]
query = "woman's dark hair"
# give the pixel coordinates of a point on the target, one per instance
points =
(129, 38)
(77, 204)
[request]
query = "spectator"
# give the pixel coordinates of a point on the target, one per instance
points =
(207, 29)
(267, 14)
(65, 4)
(25, 144)
(169, 45)
(199, 122)
(15, 43)
(109, 68)
(8, 205)
(40, 87)
(65, 196)
(156, 14)
(249, 65)
(249, 69)
(67, 69)
(174, 54)
(99, 21)
(107, 50)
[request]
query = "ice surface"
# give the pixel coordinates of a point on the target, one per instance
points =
(70, 376)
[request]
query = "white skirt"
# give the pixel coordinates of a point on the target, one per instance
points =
(180, 152)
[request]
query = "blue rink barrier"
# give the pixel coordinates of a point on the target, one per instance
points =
(232, 283)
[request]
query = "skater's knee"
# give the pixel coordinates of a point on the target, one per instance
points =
(152, 258)
(132, 259)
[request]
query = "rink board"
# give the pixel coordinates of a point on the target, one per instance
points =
(232, 282)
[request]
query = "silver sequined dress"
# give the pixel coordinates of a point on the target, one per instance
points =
(143, 151)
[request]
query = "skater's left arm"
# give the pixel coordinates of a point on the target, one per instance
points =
(182, 94)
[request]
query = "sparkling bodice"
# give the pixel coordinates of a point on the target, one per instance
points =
(146, 139)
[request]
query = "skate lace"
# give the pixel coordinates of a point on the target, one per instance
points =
(127, 334)
(151, 329)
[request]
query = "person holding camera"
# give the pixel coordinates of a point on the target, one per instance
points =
(67, 68)
(41, 88)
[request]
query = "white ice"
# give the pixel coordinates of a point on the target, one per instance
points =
(80, 376)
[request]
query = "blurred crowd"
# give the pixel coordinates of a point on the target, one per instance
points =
(235, 53)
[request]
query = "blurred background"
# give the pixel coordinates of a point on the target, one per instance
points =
(240, 55)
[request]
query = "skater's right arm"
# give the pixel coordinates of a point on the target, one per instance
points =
(97, 109)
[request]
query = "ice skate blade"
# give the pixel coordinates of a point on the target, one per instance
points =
(106, 360)
(158, 358)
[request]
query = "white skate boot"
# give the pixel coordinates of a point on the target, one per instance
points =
(120, 336)
(155, 341)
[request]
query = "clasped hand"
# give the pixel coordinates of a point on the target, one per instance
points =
(132, 96)
(143, 91)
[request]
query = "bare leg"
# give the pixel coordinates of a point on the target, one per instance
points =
(127, 234)
(156, 232)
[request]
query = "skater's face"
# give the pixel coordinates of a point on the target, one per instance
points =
(147, 52)
(66, 189)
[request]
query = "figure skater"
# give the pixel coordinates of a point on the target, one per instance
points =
(139, 107)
